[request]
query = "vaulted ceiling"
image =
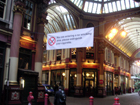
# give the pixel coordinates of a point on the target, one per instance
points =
(60, 19)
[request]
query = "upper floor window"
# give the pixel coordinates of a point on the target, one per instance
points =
(2, 8)
(109, 56)
(45, 56)
(89, 52)
(58, 52)
(28, 14)
(73, 53)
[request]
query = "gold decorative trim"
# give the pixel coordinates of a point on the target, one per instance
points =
(18, 8)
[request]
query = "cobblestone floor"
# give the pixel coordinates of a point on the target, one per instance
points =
(125, 99)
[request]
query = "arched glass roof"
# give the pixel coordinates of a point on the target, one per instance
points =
(105, 6)
(130, 43)
(59, 19)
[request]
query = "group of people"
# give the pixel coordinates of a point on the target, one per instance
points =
(60, 97)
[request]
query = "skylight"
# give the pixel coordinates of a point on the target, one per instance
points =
(108, 6)
(61, 9)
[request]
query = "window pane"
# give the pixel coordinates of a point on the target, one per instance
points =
(90, 7)
(136, 4)
(86, 6)
(99, 9)
(110, 7)
(2, 4)
(28, 14)
(94, 8)
(122, 4)
(118, 5)
(114, 6)
(106, 8)
(127, 4)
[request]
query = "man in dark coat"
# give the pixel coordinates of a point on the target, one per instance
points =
(58, 96)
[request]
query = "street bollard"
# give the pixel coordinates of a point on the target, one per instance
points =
(91, 100)
(30, 98)
(116, 101)
(46, 99)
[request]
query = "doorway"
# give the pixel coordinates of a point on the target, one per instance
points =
(89, 82)
(89, 87)
(109, 83)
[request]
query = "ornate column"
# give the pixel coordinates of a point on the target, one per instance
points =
(79, 66)
(67, 70)
(7, 56)
(12, 89)
(19, 9)
(39, 37)
(101, 50)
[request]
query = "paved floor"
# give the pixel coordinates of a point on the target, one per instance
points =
(125, 99)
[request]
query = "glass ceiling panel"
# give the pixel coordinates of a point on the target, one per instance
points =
(109, 6)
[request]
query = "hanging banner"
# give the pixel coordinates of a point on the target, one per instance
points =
(71, 39)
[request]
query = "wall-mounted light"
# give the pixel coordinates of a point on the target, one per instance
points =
(92, 75)
(75, 75)
(63, 74)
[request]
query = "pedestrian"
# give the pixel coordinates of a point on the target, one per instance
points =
(60, 97)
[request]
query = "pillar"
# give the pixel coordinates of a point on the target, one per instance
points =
(39, 45)
(119, 80)
(7, 56)
(49, 81)
(101, 50)
(14, 53)
(66, 81)
(79, 66)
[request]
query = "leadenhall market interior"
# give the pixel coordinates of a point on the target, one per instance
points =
(106, 68)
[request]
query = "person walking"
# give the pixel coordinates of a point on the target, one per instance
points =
(60, 97)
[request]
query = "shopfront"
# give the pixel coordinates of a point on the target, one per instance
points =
(72, 81)
(57, 77)
(123, 83)
(127, 84)
(116, 80)
(90, 82)
(109, 83)
(45, 77)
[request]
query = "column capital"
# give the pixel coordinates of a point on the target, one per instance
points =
(101, 44)
(79, 49)
(19, 6)
(42, 14)
(42, 19)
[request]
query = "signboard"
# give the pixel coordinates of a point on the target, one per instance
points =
(101, 81)
(70, 39)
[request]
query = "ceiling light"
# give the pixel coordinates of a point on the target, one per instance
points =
(123, 33)
(114, 31)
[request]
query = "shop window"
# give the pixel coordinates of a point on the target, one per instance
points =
(58, 56)
(109, 83)
(28, 14)
(25, 58)
(90, 53)
(57, 77)
(45, 77)
(116, 81)
(2, 8)
(73, 53)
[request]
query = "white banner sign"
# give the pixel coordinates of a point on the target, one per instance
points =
(71, 39)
